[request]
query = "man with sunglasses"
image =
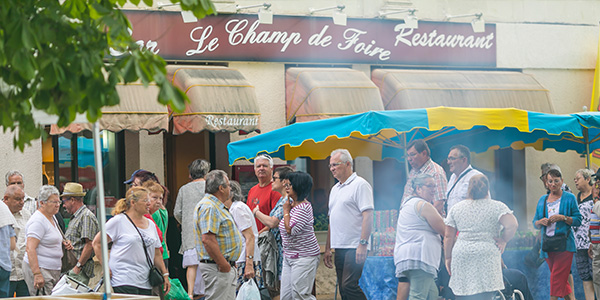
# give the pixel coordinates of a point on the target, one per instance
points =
(459, 162)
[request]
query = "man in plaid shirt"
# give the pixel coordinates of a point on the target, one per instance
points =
(417, 154)
(218, 241)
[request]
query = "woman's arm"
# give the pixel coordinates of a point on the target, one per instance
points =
(538, 219)
(31, 249)
(97, 245)
(160, 264)
(449, 240)
(510, 224)
(433, 217)
(271, 222)
(249, 237)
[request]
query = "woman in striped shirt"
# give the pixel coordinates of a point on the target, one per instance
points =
(300, 247)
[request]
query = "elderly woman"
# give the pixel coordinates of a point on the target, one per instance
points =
(583, 183)
(418, 248)
(474, 257)
(43, 251)
(248, 264)
(300, 247)
(188, 197)
(134, 238)
(158, 213)
(556, 212)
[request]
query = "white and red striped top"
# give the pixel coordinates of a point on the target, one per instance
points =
(301, 242)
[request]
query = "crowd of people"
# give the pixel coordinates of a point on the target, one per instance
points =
(449, 240)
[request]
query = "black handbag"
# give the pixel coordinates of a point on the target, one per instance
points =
(556, 243)
(155, 276)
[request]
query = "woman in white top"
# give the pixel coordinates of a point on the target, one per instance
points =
(43, 252)
(418, 248)
(248, 264)
(127, 261)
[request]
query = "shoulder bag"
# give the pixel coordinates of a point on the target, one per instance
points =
(69, 258)
(155, 276)
(556, 243)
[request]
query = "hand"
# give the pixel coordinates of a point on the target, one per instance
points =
(557, 218)
(590, 253)
(501, 244)
(38, 281)
(167, 285)
(287, 206)
(249, 270)
(224, 268)
(543, 222)
(327, 258)
(254, 210)
(361, 254)
(76, 270)
(448, 265)
(68, 244)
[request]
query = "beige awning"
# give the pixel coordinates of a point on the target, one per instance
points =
(407, 89)
(138, 110)
(318, 93)
(221, 99)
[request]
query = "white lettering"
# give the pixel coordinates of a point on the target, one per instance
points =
(212, 44)
(320, 39)
(236, 27)
(219, 122)
(352, 39)
(433, 39)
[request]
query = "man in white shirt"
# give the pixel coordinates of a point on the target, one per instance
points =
(15, 177)
(459, 162)
(350, 222)
(13, 198)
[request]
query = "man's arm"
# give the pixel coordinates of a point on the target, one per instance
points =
(13, 243)
(367, 223)
(209, 240)
(86, 253)
(327, 255)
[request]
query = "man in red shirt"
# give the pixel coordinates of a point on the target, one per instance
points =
(262, 194)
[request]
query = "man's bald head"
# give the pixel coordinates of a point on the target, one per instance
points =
(14, 197)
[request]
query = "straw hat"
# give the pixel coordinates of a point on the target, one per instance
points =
(73, 189)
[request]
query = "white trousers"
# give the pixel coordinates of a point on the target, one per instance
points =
(298, 277)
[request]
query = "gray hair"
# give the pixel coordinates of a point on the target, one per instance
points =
(198, 168)
(546, 167)
(345, 155)
(46, 191)
(215, 179)
(236, 191)
(587, 174)
(12, 173)
(420, 180)
(265, 157)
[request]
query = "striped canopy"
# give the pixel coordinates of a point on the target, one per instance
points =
(384, 134)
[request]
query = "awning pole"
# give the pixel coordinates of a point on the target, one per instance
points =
(587, 147)
(102, 209)
(405, 156)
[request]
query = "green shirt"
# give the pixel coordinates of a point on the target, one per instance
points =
(161, 218)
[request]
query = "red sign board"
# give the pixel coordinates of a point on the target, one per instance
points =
(313, 40)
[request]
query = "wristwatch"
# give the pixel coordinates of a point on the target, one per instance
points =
(364, 242)
(78, 265)
(250, 257)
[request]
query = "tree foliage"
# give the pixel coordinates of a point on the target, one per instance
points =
(54, 56)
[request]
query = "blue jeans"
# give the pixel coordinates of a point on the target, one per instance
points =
(4, 283)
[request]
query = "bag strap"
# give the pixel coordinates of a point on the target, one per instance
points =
(143, 242)
(59, 229)
(457, 180)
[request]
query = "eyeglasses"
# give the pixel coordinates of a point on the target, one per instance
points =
(67, 199)
(452, 158)
(555, 181)
(53, 202)
(287, 185)
(335, 164)
(430, 185)
(412, 154)
(276, 178)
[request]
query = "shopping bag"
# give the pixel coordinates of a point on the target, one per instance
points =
(69, 286)
(177, 292)
(248, 291)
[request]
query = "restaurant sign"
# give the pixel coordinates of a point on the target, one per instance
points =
(302, 39)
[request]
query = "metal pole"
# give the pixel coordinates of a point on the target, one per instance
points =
(586, 138)
(102, 209)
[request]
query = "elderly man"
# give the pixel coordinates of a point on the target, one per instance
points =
(81, 232)
(459, 161)
(418, 155)
(7, 244)
(188, 197)
(262, 194)
(350, 222)
(13, 198)
(15, 177)
(218, 241)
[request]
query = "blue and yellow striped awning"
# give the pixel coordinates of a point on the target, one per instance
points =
(382, 134)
